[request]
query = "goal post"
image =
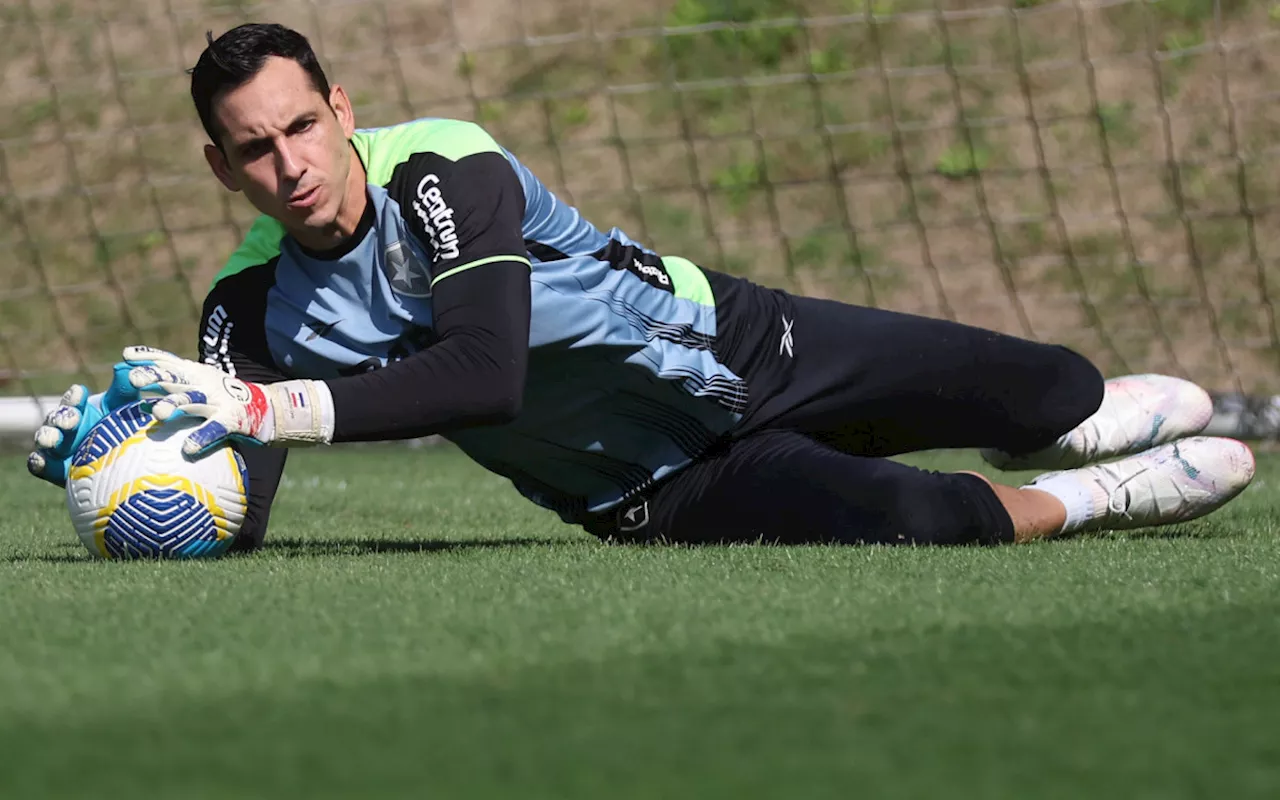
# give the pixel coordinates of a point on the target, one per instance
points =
(22, 415)
(1095, 173)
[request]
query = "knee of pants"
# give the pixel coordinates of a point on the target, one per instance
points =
(1078, 390)
(1062, 390)
(945, 509)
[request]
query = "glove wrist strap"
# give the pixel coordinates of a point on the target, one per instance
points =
(302, 411)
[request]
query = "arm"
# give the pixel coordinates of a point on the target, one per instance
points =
(468, 216)
(473, 375)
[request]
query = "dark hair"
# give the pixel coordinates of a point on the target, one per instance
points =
(238, 55)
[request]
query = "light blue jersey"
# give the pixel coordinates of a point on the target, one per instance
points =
(623, 384)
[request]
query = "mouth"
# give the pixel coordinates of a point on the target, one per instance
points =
(306, 199)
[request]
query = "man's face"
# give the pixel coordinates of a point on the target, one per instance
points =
(286, 147)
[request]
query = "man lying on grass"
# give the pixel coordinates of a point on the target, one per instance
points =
(419, 279)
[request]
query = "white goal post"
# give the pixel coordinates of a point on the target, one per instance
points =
(20, 416)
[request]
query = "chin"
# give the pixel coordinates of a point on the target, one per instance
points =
(316, 218)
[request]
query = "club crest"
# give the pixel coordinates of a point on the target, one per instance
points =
(405, 271)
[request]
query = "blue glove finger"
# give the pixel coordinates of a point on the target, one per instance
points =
(48, 438)
(205, 438)
(52, 470)
(63, 429)
(76, 396)
(121, 392)
(66, 425)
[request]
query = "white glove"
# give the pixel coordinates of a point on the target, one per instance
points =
(286, 413)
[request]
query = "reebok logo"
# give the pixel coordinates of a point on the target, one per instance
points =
(319, 329)
(645, 266)
(788, 341)
(645, 270)
(437, 218)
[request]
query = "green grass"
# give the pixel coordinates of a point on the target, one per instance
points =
(415, 629)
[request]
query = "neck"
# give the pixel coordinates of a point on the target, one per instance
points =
(354, 200)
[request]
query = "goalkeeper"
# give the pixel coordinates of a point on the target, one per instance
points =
(419, 279)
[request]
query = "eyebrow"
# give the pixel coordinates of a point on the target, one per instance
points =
(257, 140)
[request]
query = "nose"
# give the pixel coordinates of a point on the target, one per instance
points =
(287, 165)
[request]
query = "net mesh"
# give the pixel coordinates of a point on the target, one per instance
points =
(1094, 174)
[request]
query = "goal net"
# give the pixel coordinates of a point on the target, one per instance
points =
(1097, 174)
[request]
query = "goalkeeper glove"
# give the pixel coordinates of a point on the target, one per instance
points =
(67, 425)
(286, 413)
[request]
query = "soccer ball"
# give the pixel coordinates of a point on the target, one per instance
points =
(132, 494)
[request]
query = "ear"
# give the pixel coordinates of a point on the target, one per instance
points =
(341, 106)
(218, 163)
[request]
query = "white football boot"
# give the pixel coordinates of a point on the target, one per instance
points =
(1137, 413)
(1176, 482)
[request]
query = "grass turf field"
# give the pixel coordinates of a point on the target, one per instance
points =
(416, 629)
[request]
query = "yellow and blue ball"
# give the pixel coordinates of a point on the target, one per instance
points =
(133, 494)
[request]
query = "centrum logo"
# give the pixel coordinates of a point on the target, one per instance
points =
(437, 218)
(214, 326)
(217, 340)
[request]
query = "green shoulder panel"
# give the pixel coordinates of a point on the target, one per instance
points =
(260, 245)
(689, 281)
(381, 149)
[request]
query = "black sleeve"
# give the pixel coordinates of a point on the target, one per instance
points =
(473, 375)
(233, 339)
(468, 215)
(464, 213)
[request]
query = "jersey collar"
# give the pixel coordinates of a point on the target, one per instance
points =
(348, 244)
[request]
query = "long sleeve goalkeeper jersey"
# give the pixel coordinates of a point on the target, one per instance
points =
(619, 378)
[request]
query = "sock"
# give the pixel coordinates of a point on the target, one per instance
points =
(1074, 493)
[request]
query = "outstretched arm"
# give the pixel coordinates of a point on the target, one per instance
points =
(467, 213)
(468, 216)
(473, 375)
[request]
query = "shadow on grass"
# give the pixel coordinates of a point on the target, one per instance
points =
(67, 553)
(1182, 531)
(316, 548)
(303, 548)
(313, 548)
